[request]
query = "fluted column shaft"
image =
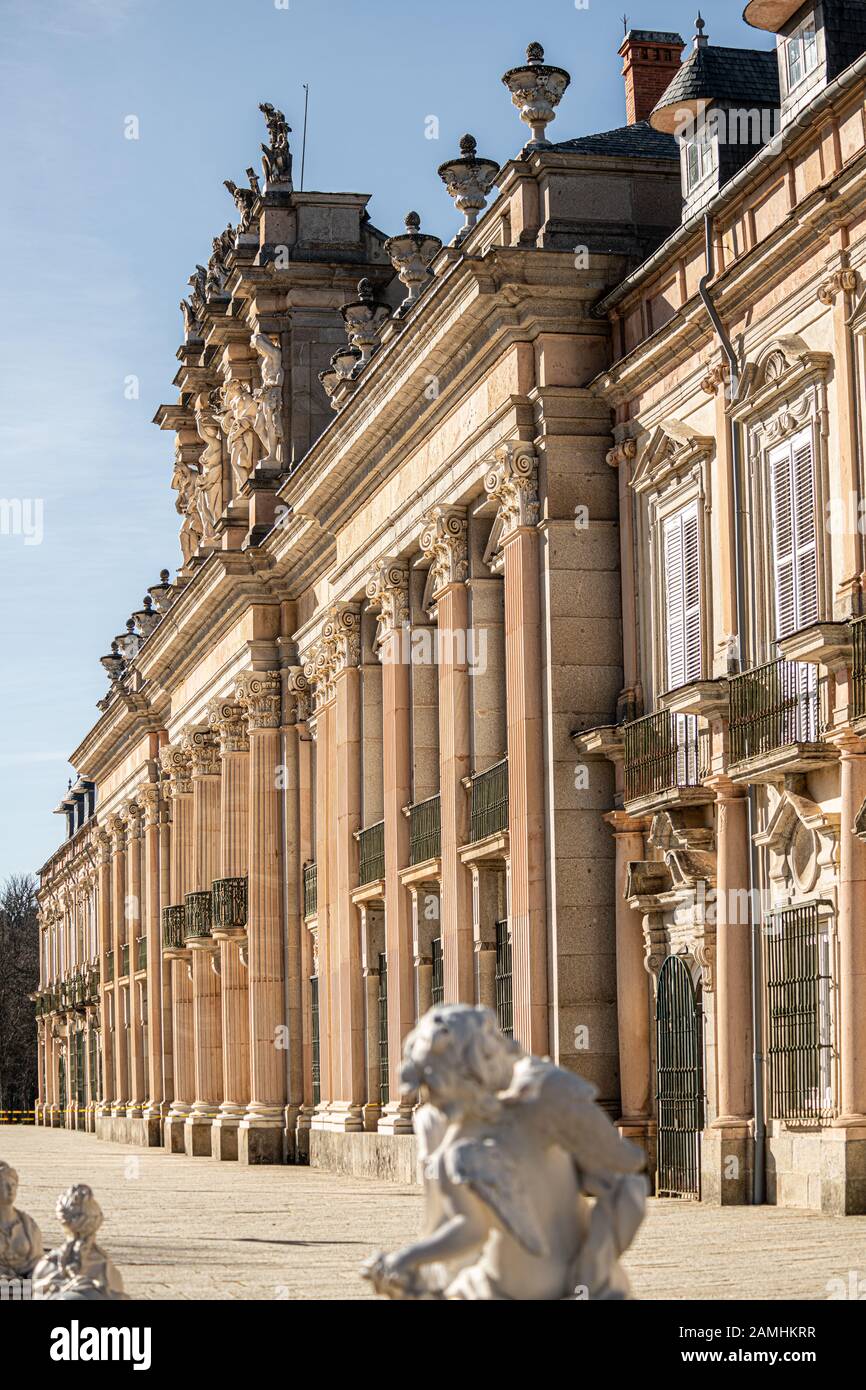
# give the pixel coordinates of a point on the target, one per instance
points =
(119, 938)
(134, 930)
(454, 761)
(107, 987)
(181, 982)
(852, 939)
(150, 799)
(207, 1005)
(348, 984)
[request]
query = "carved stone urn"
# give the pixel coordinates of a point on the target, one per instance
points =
(345, 360)
(164, 593)
(129, 642)
(537, 89)
(330, 379)
(113, 663)
(468, 180)
(363, 318)
(411, 254)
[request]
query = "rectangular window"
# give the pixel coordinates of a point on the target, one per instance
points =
(799, 1004)
(682, 598)
(802, 53)
(700, 156)
(795, 541)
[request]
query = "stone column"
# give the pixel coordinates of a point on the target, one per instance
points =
(296, 849)
(443, 542)
(206, 1003)
(512, 483)
(176, 765)
(342, 632)
(167, 1060)
(261, 1134)
(852, 941)
(134, 917)
(426, 917)
(632, 990)
(117, 829)
(388, 591)
(106, 987)
(228, 724)
(372, 946)
(486, 890)
(727, 1146)
(321, 727)
(149, 799)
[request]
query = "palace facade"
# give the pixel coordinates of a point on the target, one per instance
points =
(516, 655)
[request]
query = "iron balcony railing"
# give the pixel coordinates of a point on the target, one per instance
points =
(774, 707)
(489, 814)
(311, 890)
(371, 843)
(109, 965)
(124, 960)
(197, 922)
(858, 697)
(799, 1052)
(662, 752)
(425, 831)
(173, 927)
(141, 953)
(229, 903)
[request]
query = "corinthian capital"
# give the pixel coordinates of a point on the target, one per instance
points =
(203, 749)
(148, 798)
(298, 696)
(512, 483)
(175, 763)
(228, 724)
(388, 590)
(443, 543)
(259, 694)
(337, 648)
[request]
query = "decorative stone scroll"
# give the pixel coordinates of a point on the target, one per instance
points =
(259, 694)
(512, 482)
(338, 648)
(175, 763)
(228, 722)
(444, 544)
(840, 282)
(388, 590)
(202, 747)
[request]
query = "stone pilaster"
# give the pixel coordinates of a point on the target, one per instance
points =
(150, 801)
(176, 765)
(512, 482)
(134, 928)
(206, 1003)
(106, 992)
(632, 992)
(117, 830)
(261, 1131)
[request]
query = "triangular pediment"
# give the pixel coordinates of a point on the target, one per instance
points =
(672, 448)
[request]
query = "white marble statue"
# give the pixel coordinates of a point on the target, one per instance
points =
(268, 423)
(78, 1270)
(20, 1238)
(237, 421)
(531, 1193)
(184, 482)
(209, 483)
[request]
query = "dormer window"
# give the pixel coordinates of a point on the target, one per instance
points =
(801, 53)
(699, 156)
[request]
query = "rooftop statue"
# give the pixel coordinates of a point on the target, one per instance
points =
(78, 1270)
(184, 482)
(20, 1238)
(530, 1191)
(237, 420)
(244, 198)
(209, 483)
(268, 423)
(217, 270)
(276, 155)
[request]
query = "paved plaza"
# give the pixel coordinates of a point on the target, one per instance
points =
(195, 1228)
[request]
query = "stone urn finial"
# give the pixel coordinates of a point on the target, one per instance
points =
(330, 379)
(146, 618)
(411, 255)
(537, 89)
(129, 642)
(163, 593)
(363, 318)
(468, 180)
(113, 663)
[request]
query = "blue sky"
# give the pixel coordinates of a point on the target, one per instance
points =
(98, 234)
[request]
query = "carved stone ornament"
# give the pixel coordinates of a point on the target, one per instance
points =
(259, 693)
(184, 482)
(298, 696)
(268, 420)
(444, 544)
(175, 763)
(78, 1270)
(209, 483)
(622, 453)
(228, 723)
(237, 420)
(337, 648)
(840, 282)
(21, 1246)
(388, 590)
(536, 90)
(468, 180)
(410, 255)
(717, 377)
(276, 155)
(531, 1193)
(203, 749)
(150, 801)
(512, 482)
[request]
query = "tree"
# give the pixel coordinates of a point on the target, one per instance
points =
(19, 977)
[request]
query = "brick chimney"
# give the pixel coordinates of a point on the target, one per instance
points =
(651, 61)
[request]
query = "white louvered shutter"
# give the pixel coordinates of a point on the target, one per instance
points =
(683, 598)
(795, 542)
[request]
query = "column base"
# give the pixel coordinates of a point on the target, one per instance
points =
(345, 1117)
(727, 1163)
(197, 1135)
(173, 1132)
(396, 1119)
(260, 1144)
(224, 1138)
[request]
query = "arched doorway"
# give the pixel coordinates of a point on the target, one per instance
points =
(680, 1082)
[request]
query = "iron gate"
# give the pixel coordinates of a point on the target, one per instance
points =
(680, 1094)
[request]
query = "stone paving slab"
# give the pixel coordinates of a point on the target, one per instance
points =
(197, 1229)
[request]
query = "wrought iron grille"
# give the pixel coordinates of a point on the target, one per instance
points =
(858, 699)
(504, 999)
(124, 960)
(197, 922)
(80, 1070)
(664, 751)
(775, 706)
(311, 890)
(173, 927)
(229, 902)
(680, 1094)
(384, 1089)
(799, 1054)
(425, 831)
(93, 1056)
(62, 1097)
(141, 953)
(372, 853)
(490, 801)
(315, 1042)
(438, 990)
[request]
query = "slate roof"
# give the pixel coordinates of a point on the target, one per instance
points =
(638, 141)
(744, 76)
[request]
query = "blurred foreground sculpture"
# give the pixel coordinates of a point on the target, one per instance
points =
(20, 1238)
(78, 1270)
(531, 1193)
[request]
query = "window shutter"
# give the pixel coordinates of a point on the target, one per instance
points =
(783, 541)
(795, 542)
(683, 598)
(804, 529)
